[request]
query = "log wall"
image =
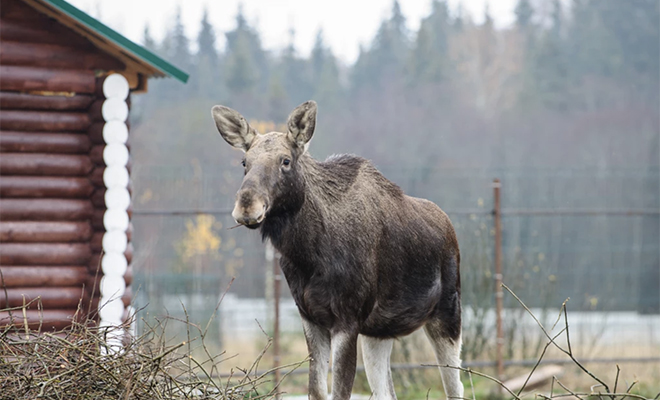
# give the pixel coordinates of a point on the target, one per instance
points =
(53, 158)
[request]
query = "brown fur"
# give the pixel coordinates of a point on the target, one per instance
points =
(359, 255)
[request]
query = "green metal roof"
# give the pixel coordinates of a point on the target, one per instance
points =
(95, 27)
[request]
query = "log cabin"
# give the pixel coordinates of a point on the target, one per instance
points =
(66, 82)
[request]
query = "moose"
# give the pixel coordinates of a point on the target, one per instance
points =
(361, 258)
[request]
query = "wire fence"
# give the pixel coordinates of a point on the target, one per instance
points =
(586, 234)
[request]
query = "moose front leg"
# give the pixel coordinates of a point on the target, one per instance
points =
(344, 358)
(318, 345)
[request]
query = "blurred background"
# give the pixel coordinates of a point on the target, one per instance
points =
(557, 99)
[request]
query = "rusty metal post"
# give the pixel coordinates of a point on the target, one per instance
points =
(277, 279)
(497, 214)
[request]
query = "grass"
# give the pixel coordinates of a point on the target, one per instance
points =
(80, 363)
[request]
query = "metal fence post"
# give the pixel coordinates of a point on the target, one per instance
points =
(277, 279)
(497, 214)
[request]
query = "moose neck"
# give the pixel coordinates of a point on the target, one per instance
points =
(307, 203)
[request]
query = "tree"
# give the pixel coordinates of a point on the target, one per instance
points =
(279, 104)
(385, 61)
(613, 41)
(207, 77)
(548, 65)
(429, 62)
(318, 57)
(295, 74)
(247, 68)
(326, 86)
(180, 50)
(524, 13)
(147, 40)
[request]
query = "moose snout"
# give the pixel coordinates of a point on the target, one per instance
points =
(250, 208)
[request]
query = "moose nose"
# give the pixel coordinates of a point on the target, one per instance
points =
(250, 212)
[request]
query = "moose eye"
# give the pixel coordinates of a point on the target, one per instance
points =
(286, 161)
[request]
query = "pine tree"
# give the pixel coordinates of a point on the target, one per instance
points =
(278, 101)
(524, 13)
(175, 48)
(614, 42)
(246, 68)
(385, 61)
(295, 74)
(318, 56)
(430, 56)
(488, 19)
(556, 19)
(147, 40)
(248, 37)
(458, 20)
(242, 74)
(207, 79)
(206, 38)
(180, 51)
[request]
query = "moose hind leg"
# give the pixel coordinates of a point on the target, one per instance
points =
(376, 356)
(448, 353)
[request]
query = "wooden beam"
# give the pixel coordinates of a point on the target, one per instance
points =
(15, 120)
(44, 142)
(44, 254)
(540, 376)
(43, 276)
(25, 79)
(96, 176)
(49, 102)
(45, 209)
(20, 23)
(128, 276)
(97, 218)
(49, 297)
(45, 186)
(40, 232)
(47, 320)
(129, 253)
(96, 242)
(98, 197)
(44, 164)
(55, 56)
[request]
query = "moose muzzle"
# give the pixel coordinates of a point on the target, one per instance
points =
(250, 208)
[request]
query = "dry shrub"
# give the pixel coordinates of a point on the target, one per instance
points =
(81, 363)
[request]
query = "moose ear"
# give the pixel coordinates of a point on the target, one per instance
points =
(233, 127)
(301, 124)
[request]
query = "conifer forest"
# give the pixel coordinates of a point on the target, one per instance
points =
(562, 106)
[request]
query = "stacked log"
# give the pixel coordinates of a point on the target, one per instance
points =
(45, 205)
(64, 196)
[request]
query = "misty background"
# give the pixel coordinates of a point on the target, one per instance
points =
(562, 106)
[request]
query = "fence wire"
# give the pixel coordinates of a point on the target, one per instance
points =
(591, 235)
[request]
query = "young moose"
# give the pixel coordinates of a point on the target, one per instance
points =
(360, 257)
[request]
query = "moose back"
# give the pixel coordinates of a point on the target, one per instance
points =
(361, 258)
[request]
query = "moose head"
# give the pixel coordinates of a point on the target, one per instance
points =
(272, 183)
